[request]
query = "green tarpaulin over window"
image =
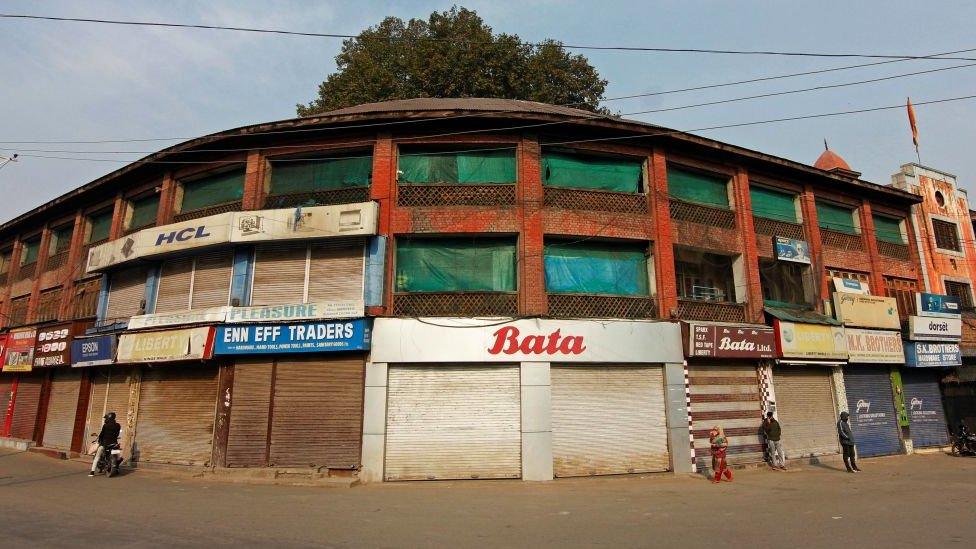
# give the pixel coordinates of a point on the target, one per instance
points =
(455, 265)
(215, 189)
(418, 167)
(29, 255)
(888, 229)
(320, 175)
(836, 218)
(772, 204)
(591, 172)
(100, 225)
(144, 212)
(596, 268)
(698, 188)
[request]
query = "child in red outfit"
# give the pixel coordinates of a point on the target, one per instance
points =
(720, 445)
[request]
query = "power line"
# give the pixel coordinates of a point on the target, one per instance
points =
(452, 40)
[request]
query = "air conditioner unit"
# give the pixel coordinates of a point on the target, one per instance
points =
(707, 293)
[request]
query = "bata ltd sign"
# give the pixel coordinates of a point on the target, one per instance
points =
(535, 340)
(728, 340)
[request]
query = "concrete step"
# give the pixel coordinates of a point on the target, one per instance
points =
(15, 443)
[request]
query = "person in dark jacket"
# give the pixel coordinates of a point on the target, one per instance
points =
(107, 437)
(847, 442)
(772, 431)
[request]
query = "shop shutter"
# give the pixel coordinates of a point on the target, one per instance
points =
(279, 274)
(449, 421)
(175, 278)
(6, 384)
(924, 401)
(25, 406)
(872, 408)
(806, 411)
(176, 415)
(62, 408)
(127, 291)
(211, 279)
(608, 420)
(727, 396)
(336, 272)
(110, 393)
(247, 439)
(318, 408)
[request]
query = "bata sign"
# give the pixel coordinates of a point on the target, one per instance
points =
(468, 340)
(728, 341)
(874, 346)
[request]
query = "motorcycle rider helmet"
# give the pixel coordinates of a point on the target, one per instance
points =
(110, 416)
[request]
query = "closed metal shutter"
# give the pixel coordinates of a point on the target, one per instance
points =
(318, 409)
(453, 422)
(924, 401)
(176, 415)
(608, 420)
(806, 411)
(26, 403)
(872, 408)
(127, 291)
(279, 274)
(62, 408)
(110, 393)
(727, 396)
(6, 384)
(175, 280)
(336, 272)
(211, 279)
(247, 439)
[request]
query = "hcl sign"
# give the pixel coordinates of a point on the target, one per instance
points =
(182, 235)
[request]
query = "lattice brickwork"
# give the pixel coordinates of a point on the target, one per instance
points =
(600, 306)
(419, 196)
(26, 271)
(891, 249)
(843, 241)
(773, 227)
(319, 198)
(4, 278)
(18, 311)
(204, 212)
(711, 310)
(56, 261)
(86, 298)
(704, 215)
(48, 304)
(606, 201)
(455, 304)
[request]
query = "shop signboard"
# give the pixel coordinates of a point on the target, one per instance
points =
(300, 337)
(445, 340)
(924, 354)
(922, 328)
(947, 306)
(790, 249)
(810, 341)
(212, 315)
(3, 347)
(53, 347)
(93, 351)
(851, 286)
(297, 311)
(874, 346)
(866, 311)
(166, 346)
(728, 340)
(20, 350)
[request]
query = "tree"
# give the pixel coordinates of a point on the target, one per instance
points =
(454, 54)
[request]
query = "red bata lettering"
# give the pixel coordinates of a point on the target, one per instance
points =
(507, 341)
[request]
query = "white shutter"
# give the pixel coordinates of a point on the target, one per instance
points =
(176, 415)
(608, 420)
(110, 393)
(211, 279)
(806, 411)
(458, 422)
(127, 290)
(279, 274)
(336, 272)
(175, 280)
(61, 409)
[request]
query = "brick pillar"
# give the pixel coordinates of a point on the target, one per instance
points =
(808, 206)
(118, 217)
(916, 260)
(167, 195)
(253, 182)
(532, 280)
(383, 191)
(660, 207)
(38, 271)
(76, 265)
(750, 253)
(871, 245)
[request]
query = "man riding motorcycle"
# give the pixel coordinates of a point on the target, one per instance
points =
(107, 438)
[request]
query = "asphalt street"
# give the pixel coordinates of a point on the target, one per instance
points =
(904, 501)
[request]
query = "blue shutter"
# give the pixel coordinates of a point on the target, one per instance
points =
(924, 403)
(875, 425)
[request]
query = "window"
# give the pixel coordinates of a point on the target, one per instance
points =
(85, 302)
(197, 282)
(294, 272)
(213, 190)
(851, 275)
(946, 235)
(29, 254)
(5, 265)
(888, 229)
(785, 282)
(18, 310)
(455, 265)
(596, 268)
(431, 167)
(903, 290)
(99, 226)
(698, 188)
(142, 212)
(771, 204)
(960, 290)
(704, 276)
(592, 172)
(836, 218)
(60, 240)
(48, 303)
(326, 174)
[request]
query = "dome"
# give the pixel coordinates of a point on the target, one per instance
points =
(831, 161)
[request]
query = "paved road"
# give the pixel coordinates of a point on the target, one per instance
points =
(905, 501)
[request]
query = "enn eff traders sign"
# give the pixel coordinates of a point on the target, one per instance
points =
(305, 337)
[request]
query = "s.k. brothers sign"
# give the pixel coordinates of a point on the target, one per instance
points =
(728, 341)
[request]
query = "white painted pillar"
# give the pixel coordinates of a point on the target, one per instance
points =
(679, 430)
(374, 422)
(840, 389)
(536, 421)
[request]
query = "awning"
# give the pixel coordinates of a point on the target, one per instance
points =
(792, 313)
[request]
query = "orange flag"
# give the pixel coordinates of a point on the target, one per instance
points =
(911, 121)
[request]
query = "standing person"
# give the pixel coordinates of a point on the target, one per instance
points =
(772, 431)
(107, 437)
(847, 442)
(720, 444)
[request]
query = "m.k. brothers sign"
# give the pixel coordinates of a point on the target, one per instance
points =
(728, 341)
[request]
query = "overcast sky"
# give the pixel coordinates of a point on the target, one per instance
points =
(64, 81)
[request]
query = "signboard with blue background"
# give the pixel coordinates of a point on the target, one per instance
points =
(93, 351)
(789, 249)
(937, 305)
(297, 337)
(926, 354)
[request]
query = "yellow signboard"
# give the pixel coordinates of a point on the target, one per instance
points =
(166, 346)
(814, 341)
(875, 346)
(866, 311)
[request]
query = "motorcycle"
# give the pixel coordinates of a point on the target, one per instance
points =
(110, 459)
(964, 444)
